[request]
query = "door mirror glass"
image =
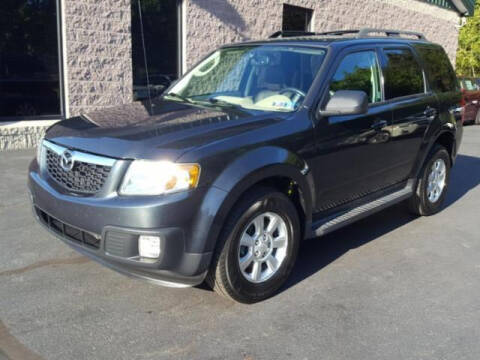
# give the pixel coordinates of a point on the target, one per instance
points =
(346, 102)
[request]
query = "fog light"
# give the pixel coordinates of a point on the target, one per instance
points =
(149, 246)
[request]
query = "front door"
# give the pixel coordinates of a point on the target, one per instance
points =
(352, 158)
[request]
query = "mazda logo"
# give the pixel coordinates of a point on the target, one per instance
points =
(66, 161)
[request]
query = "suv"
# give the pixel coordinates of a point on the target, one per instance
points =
(259, 146)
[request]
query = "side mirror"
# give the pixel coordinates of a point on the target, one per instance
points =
(346, 102)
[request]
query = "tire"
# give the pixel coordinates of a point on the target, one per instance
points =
(477, 118)
(425, 201)
(261, 206)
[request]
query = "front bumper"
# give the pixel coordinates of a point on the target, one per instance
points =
(107, 229)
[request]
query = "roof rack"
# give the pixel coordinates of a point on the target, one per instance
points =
(339, 32)
(290, 33)
(359, 33)
(389, 32)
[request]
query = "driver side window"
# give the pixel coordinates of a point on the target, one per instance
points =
(358, 71)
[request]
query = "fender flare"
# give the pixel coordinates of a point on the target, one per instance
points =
(244, 172)
(447, 128)
(452, 131)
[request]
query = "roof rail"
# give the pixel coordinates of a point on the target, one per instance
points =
(359, 33)
(339, 32)
(389, 32)
(290, 33)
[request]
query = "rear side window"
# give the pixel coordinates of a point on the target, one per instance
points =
(403, 75)
(438, 68)
(358, 71)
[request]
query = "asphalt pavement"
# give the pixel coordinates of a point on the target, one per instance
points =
(392, 286)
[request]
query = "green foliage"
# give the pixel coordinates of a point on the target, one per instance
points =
(359, 79)
(468, 53)
(403, 76)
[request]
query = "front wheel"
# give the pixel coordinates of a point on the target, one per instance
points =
(257, 248)
(433, 184)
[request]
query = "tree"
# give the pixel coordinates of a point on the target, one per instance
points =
(468, 53)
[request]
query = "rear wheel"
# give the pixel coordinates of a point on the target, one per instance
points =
(257, 248)
(433, 184)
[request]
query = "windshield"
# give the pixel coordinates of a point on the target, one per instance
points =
(268, 77)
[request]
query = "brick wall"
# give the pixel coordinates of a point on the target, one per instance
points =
(24, 136)
(210, 23)
(98, 40)
(98, 53)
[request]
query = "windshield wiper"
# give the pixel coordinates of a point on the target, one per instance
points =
(211, 100)
(179, 97)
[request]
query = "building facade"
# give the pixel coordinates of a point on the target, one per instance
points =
(62, 58)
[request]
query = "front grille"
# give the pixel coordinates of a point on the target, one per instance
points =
(67, 231)
(84, 177)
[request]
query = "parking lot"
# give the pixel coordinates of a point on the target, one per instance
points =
(392, 286)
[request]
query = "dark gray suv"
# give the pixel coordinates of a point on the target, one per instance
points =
(259, 146)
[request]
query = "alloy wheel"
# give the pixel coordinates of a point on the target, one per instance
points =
(436, 180)
(263, 247)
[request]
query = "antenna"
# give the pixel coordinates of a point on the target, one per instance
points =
(145, 56)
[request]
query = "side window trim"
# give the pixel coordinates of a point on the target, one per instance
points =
(378, 54)
(426, 86)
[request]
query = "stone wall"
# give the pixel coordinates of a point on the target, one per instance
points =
(97, 64)
(97, 41)
(22, 135)
(210, 23)
(98, 55)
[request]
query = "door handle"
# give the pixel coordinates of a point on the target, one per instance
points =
(430, 113)
(379, 125)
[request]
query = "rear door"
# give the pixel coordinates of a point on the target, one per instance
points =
(414, 107)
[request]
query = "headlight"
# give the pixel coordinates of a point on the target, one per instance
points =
(159, 177)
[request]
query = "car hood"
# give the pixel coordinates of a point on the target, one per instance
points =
(165, 130)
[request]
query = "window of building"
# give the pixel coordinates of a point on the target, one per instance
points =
(296, 18)
(358, 71)
(161, 30)
(403, 74)
(30, 81)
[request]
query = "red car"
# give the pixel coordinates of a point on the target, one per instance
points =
(471, 97)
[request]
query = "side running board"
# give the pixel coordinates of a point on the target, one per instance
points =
(325, 226)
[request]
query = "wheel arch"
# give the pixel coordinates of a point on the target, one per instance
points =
(445, 136)
(269, 166)
(447, 140)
